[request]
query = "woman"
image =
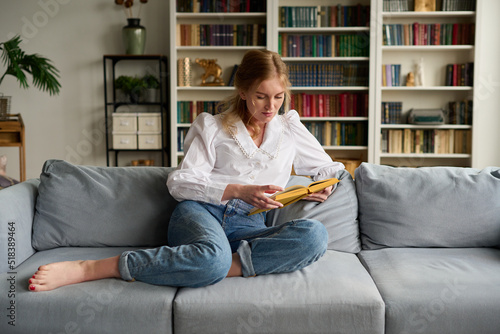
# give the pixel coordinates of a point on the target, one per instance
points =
(232, 162)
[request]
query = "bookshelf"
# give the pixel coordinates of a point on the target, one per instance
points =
(352, 63)
(357, 50)
(139, 128)
(189, 27)
(431, 41)
(326, 44)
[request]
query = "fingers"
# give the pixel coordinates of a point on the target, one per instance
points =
(320, 196)
(270, 189)
(266, 203)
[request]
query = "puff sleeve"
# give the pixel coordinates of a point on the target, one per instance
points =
(310, 158)
(191, 180)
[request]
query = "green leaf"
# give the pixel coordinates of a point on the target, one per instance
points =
(16, 61)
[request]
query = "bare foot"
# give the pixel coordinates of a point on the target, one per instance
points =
(55, 275)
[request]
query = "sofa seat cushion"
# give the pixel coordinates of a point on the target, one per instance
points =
(333, 295)
(428, 206)
(104, 306)
(438, 290)
(89, 206)
(339, 213)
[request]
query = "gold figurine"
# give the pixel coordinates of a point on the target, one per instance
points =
(211, 69)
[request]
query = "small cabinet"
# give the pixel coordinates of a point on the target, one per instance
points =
(136, 131)
(140, 126)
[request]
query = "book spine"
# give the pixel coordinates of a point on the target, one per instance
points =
(331, 105)
(324, 16)
(434, 141)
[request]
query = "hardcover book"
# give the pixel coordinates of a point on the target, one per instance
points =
(295, 193)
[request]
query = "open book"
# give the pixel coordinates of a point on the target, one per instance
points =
(295, 193)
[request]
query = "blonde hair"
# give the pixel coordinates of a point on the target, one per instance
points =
(256, 66)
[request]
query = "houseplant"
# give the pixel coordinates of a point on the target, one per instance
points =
(131, 88)
(152, 85)
(17, 62)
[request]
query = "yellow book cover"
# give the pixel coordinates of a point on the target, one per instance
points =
(295, 193)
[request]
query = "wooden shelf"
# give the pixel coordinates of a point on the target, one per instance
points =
(12, 135)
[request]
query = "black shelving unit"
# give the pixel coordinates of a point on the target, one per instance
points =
(111, 105)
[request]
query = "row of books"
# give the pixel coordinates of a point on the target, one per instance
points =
(397, 5)
(458, 5)
(458, 112)
(456, 75)
(391, 112)
(187, 111)
(324, 16)
(459, 74)
(435, 141)
(329, 74)
(339, 133)
(327, 133)
(333, 105)
(443, 5)
(429, 34)
(330, 105)
(391, 74)
(220, 6)
(296, 45)
(221, 34)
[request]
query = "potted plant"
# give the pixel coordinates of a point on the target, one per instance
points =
(129, 89)
(152, 85)
(18, 63)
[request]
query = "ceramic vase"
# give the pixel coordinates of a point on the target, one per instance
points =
(134, 37)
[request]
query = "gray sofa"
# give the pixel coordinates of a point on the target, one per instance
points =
(410, 251)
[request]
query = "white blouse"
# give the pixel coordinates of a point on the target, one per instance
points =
(215, 158)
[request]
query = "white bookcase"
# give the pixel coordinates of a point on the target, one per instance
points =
(433, 94)
(227, 57)
(352, 151)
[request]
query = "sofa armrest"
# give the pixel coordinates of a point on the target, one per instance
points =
(17, 209)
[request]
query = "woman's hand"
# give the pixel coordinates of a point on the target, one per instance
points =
(320, 196)
(253, 195)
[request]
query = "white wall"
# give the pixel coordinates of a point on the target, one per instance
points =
(75, 34)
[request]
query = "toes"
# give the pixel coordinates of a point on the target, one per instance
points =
(35, 281)
(38, 287)
(40, 274)
(45, 267)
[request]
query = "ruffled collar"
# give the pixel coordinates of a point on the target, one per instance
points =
(271, 144)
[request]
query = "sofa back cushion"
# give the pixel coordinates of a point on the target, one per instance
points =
(101, 206)
(339, 213)
(428, 206)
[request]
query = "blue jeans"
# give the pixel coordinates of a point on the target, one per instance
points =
(202, 238)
